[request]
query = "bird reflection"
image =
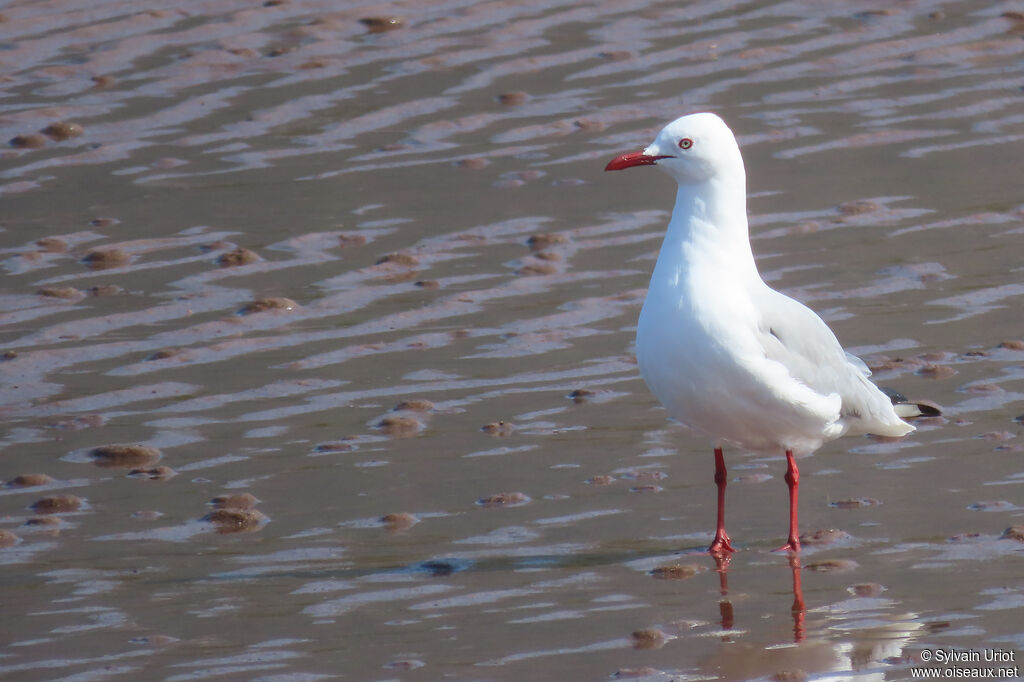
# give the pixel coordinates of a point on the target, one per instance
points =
(861, 634)
(727, 617)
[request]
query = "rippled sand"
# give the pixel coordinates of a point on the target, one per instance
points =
(317, 339)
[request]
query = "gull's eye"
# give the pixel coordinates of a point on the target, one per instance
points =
(685, 143)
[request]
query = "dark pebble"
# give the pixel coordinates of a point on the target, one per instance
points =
(58, 504)
(498, 428)
(52, 244)
(60, 292)
(415, 405)
(236, 257)
(1013, 533)
(400, 427)
(347, 240)
(124, 456)
(503, 500)
(401, 259)
(648, 638)
(235, 520)
(104, 259)
(382, 24)
(235, 501)
(62, 130)
(29, 481)
(262, 305)
(30, 141)
(676, 571)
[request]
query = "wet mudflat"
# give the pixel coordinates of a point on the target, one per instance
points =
(317, 327)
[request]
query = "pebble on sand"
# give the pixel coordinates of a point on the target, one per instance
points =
(400, 427)
(1014, 344)
(832, 566)
(931, 371)
(274, 303)
(347, 240)
(992, 505)
(7, 538)
(414, 405)
(866, 589)
(30, 141)
(237, 257)
(1013, 533)
(855, 503)
(404, 260)
(235, 520)
(580, 395)
(382, 24)
(105, 259)
(513, 98)
(600, 479)
(615, 55)
(28, 481)
(824, 537)
(52, 244)
(498, 428)
(399, 521)
(155, 640)
(105, 290)
(57, 504)
(66, 293)
(544, 241)
(503, 500)
(473, 162)
(676, 571)
(649, 488)
(427, 284)
(163, 354)
(859, 207)
(125, 456)
(334, 446)
(62, 130)
(235, 501)
(648, 638)
(157, 473)
(536, 270)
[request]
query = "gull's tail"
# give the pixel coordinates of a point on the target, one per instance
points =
(908, 410)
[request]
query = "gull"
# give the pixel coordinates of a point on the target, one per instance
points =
(726, 354)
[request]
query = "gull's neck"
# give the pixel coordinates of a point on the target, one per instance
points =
(708, 230)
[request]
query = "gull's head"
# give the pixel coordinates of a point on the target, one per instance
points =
(692, 149)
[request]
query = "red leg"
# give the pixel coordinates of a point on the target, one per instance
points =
(793, 481)
(721, 543)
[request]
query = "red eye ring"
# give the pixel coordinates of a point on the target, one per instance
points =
(685, 143)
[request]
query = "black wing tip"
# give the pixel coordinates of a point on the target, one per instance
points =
(926, 408)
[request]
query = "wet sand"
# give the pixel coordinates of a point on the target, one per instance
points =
(317, 340)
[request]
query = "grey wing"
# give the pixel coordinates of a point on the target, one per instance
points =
(793, 335)
(858, 363)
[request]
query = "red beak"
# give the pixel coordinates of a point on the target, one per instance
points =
(632, 159)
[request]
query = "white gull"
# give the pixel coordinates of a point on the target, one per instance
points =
(726, 354)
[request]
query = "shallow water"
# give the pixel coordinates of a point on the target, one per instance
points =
(389, 365)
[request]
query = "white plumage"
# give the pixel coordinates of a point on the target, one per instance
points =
(725, 353)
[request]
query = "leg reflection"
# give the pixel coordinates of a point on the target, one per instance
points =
(799, 610)
(724, 605)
